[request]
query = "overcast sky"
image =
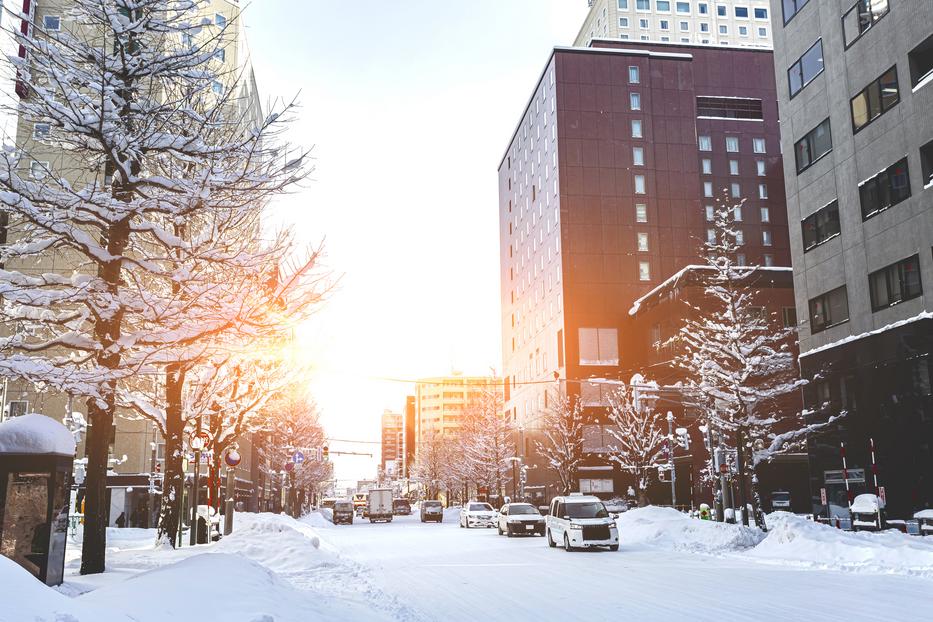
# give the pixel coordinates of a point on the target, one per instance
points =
(410, 106)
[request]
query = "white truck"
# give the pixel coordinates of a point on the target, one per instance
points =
(380, 504)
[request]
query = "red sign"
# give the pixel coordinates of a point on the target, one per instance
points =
(724, 469)
(823, 496)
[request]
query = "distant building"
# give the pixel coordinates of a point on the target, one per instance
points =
(855, 88)
(408, 453)
(393, 443)
(741, 23)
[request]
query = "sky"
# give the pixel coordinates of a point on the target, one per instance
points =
(409, 106)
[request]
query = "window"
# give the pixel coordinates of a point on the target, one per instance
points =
(663, 39)
(740, 259)
(710, 236)
(761, 13)
(634, 100)
(221, 54)
(762, 191)
(643, 242)
(636, 128)
(762, 31)
(741, 12)
(707, 166)
(644, 271)
(17, 408)
(643, 5)
(789, 315)
(733, 167)
(641, 212)
(758, 145)
(40, 131)
(683, 7)
(639, 184)
(663, 5)
(665, 24)
(644, 37)
(792, 7)
(920, 60)
(729, 107)
(643, 24)
(807, 67)
(623, 22)
(732, 144)
(723, 29)
(817, 143)
(721, 10)
(769, 260)
(599, 346)
(820, 226)
(743, 31)
(737, 213)
(861, 17)
(828, 310)
(736, 190)
(220, 20)
(875, 99)
(703, 8)
(710, 213)
(705, 143)
(38, 170)
(739, 237)
(884, 190)
(623, 4)
(638, 156)
(52, 23)
(704, 27)
(765, 214)
(895, 283)
(217, 87)
(926, 163)
(623, 36)
(707, 188)
(633, 75)
(684, 26)
(760, 166)
(766, 237)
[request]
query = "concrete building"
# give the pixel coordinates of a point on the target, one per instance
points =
(393, 444)
(408, 453)
(855, 85)
(743, 23)
(604, 192)
(439, 402)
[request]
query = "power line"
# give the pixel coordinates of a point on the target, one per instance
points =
(345, 440)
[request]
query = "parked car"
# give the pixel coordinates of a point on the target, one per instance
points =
(401, 507)
(328, 503)
(359, 503)
(477, 514)
(343, 512)
(579, 521)
(616, 505)
(520, 519)
(432, 511)
(867, 513)
(780, 501)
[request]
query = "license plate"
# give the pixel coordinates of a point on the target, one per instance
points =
(529, 527)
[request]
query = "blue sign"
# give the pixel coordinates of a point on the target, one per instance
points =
(298, 458)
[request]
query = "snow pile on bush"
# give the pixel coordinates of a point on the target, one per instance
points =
(793, 539)
(669, 529)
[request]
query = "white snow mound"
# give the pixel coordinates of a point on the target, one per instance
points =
(35, 434)
(278, 542)
(317, 520)
(669, 529)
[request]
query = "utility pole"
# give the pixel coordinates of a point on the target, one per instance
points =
(670, 458)
(196, 444)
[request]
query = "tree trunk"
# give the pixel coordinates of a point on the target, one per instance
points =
(174, 478)
(740, 466)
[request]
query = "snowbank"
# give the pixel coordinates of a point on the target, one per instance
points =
(317, 519)
(795, 540)
(669, 529)
(35, 434)
(280, 543)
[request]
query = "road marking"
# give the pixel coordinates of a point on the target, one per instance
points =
(502, 565)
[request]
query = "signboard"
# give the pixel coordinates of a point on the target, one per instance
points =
(724, 468)
(855, 476)
(883, 495)
(232, 458)
(298, 457)
(823, 496)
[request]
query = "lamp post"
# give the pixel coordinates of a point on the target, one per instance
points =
(197, 444)
(670, 458)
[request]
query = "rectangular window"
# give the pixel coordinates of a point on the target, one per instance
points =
(736, 191)
(765, 214)
(38, 170)
(643, 242)
(636, 128)
(17, 408)
(599, 346)
(739, 237)
(807, 67)
(762, 191)
(729, 107)
(40, 131)
(639, 184)
(926, 163)
(663, 5)
(220, 20)
(643, 24)
(743, 31)
(706, 144)
(761, 13)
(828, 310)
(703, 8)
(217, 87)
(52, 23)
(664, 24)
(733, 167)
(721, 10)
(707, 165)
(641, 212)
(769, 260)
(762, 31)
(758, 145)
(723, 29)
(792, 7)
(683, 7)
(684, 26)
(740, 259)
(707, 188)
(760, 166)
(920, 60)
(813, 146)
(875, 99)
(633, 75)
(741, 12)
(634, 100)
(789, 315)
(643, 5)
(710, 213)
(884, 190)
(862, 16)
(704, 27)
(623, 22)
(710, 236)
(895, 283)
(737, 213)
(766, 237)
(644, 271)
(638, 156)
(623, 4)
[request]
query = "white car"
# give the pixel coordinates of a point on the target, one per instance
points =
(578, 521)
(478, 514)
(517, 519)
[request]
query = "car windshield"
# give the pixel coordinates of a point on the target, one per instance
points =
(593, 509)
(522, 509)
(432, 504)
(343, 506)
(781, 496)
(401, 502)
(480, 507)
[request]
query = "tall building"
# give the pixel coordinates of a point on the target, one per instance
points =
(393, 444)
(604, 192)
(440, 401)
(743, 23)
(408, 435)
(855, 84)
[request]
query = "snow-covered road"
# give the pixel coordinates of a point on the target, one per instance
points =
(444, 572)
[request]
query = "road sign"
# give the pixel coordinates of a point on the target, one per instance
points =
(289, 466)
(232, 458)
(298, 457)
(724, 468)
(823, 496)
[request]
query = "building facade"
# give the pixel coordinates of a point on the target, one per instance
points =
(855, 85)
(393, 444)
(743, 23)
(605, 191)
(440, 401)
(408, 436)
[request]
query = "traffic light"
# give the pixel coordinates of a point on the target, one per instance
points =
(325, 452)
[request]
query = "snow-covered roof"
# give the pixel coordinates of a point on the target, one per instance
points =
(926, 315)
(35, 434)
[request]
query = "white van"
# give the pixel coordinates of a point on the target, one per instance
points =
(579, 521)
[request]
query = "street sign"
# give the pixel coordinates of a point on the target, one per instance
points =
(298, 457)
(232, 458)
(724, 468)
(883, 495)
(289, 466)
(822, 496)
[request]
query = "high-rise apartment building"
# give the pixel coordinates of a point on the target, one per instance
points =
(743, 23)
(393, 443)
(605, 190)
(855, 84)
(440, 401)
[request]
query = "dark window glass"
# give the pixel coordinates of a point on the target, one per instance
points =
(829, 309)
(862, 16)
(741, 11)
(817, 143)
(884, 190)
(820, 226)
(790, 317)
(807, 67)
(895, 283)
(729, 107)
(921, 62)
(926, 163)
(792, 7)
(875, 99)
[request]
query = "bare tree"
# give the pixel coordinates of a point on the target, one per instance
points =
(563, 424)
(432, 465)
(638, 432)
(485, 442)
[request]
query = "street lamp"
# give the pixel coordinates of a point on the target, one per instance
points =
(670, 458)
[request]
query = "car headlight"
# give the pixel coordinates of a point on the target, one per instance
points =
(576, 526)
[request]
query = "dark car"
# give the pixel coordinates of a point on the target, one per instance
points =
(401, 507)
(432, 511)
(343, 512)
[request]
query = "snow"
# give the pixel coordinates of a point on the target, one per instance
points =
(35, 434)
(926, 315)
(865, 504)
(671, 530)
(924, 514)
